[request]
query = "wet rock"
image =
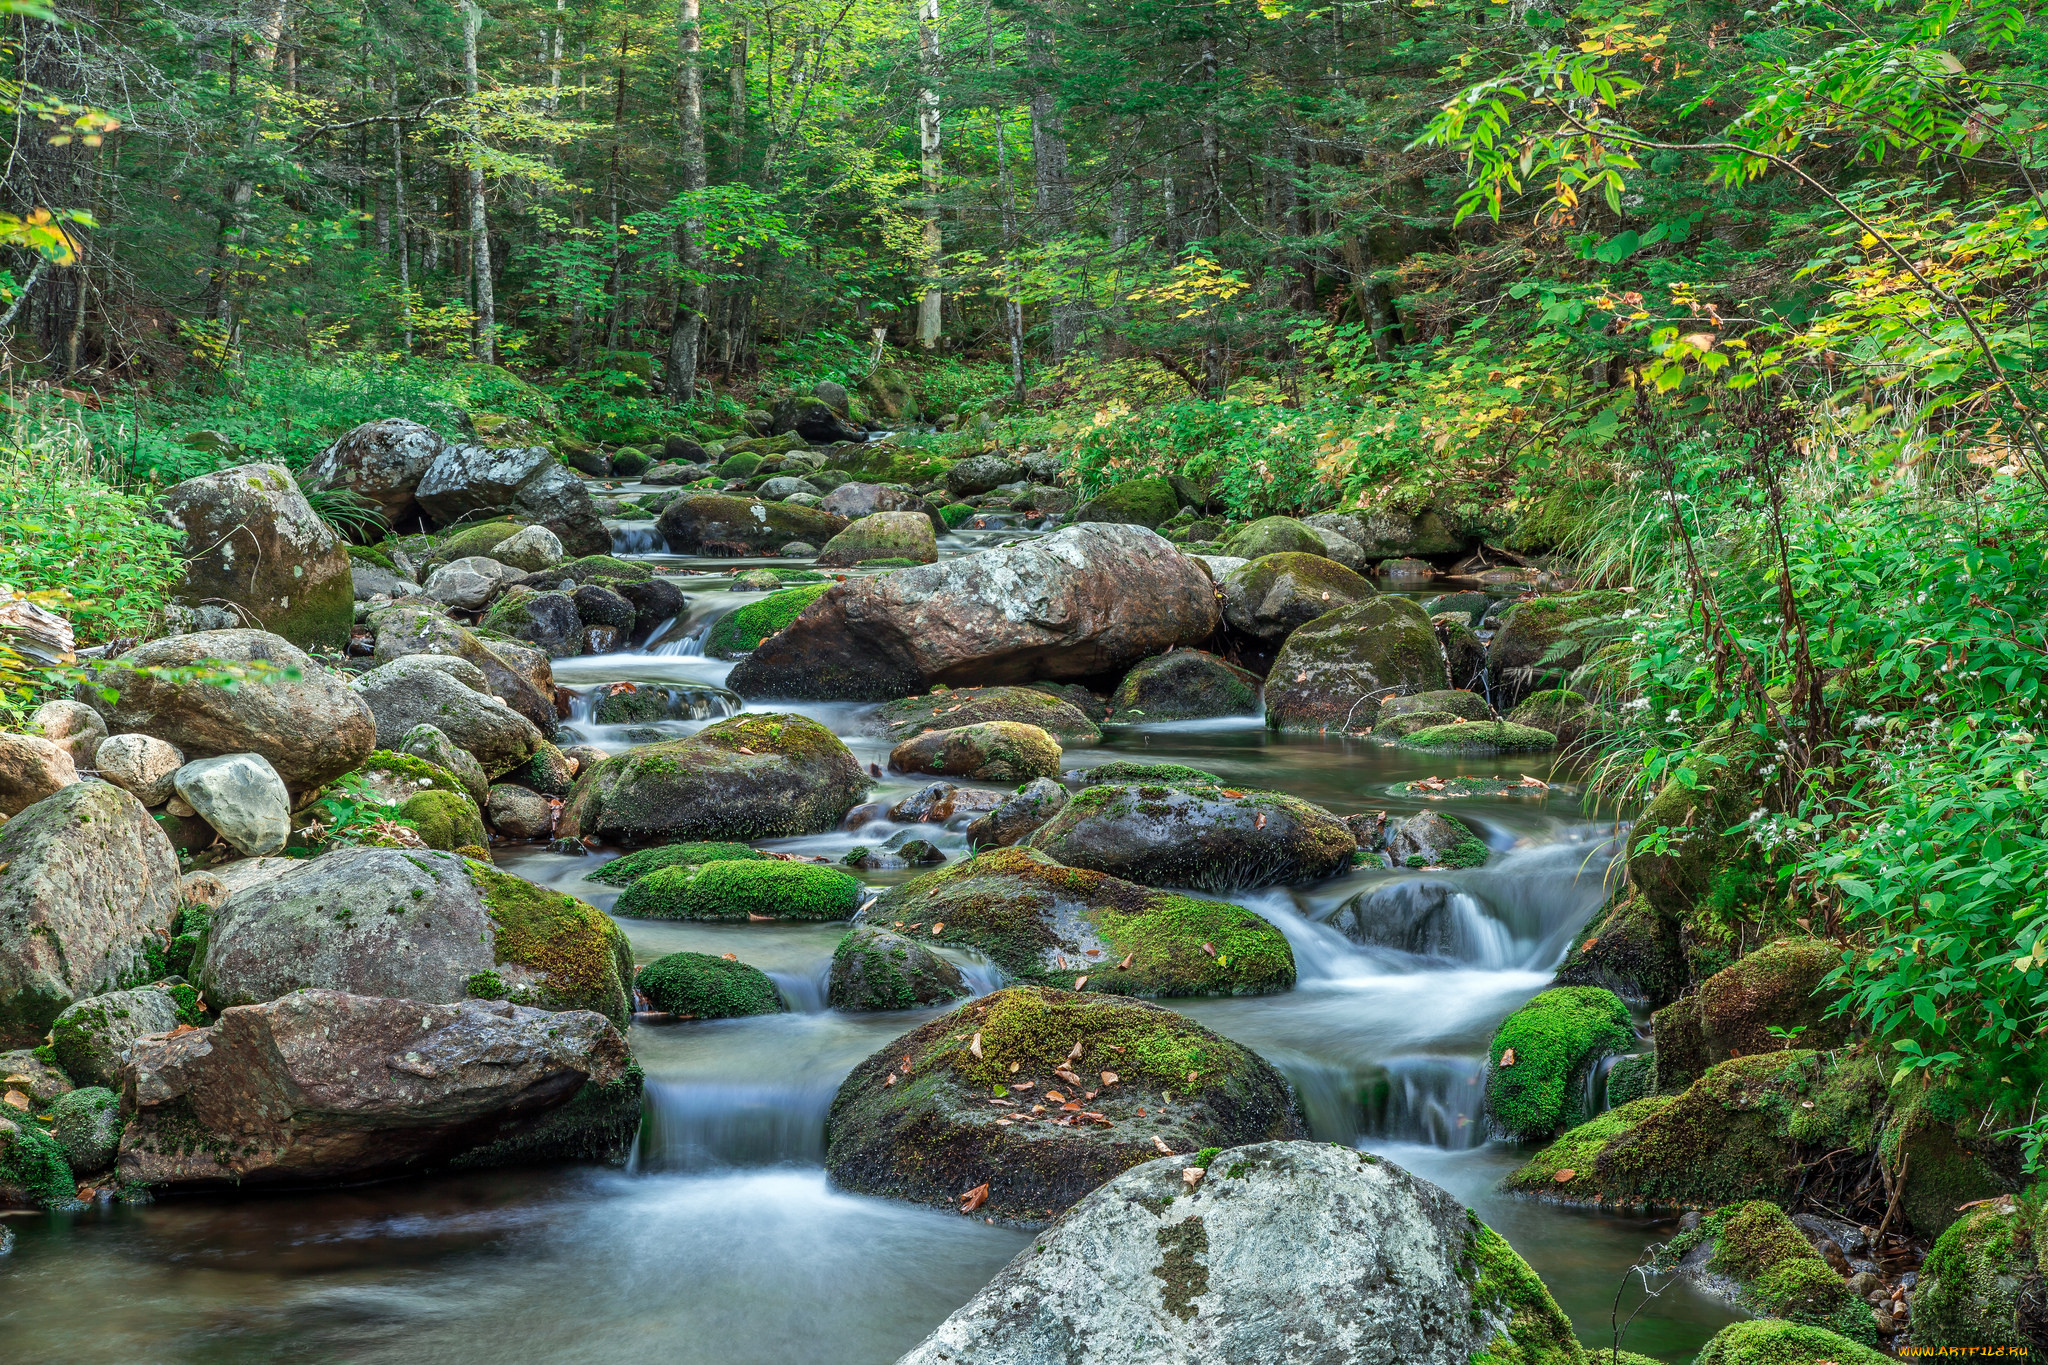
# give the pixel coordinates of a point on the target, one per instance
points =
(323, 1087)
(715, 523)
(1459, 704)
(93, 1037)
(1431, 840)
(934, 1134)
(451, 695)
(701, 986)
(920, 853)
(1076, 603)
(1183, 684)
(252, 539)
(312, 727)
(31, 768)
(1274, 536)
(856, 500)
(142, 765)
(383, 461)
(1042, 922)
(939, 802)
(1383, 535)
(1543, 639)
(546, 620)
(430, 744)
(878, 969)
(982, 474)
(948, 708)
(1542, 1054)
(1334, 672)
(798, 549)
(655, 603)
(1020, 814)
(1272, 1246)
(1125, 770)
(815, 419)
(87, 1125)
(41, 1081)
(596, 606)
(372, 581)
(882, 536)
(73, 725)
(783, 486)
(242, 797)
(756, 776)
(467, 481)
(1138, 502)
(518, 813)
(673, 472)
(1978, 1288)
(1273, 596)
(468, 583)
(993, 751)
(742, 889)
(1212, 838)
(530, 551)
(1482, 737)
(91, 887)
(414, 925)
(1751, 1254)
(1401, 726)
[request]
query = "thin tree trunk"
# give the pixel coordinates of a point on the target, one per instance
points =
(614, 285)
(269, 24)
(398, 215)
(928, 134)
(686, 333)
(485, 345)
(1052, 197)
(1013, 307)
(1212, 147)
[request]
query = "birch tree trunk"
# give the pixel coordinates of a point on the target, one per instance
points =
(928, 135)
(686, 334)
(485, 345)
(1052, 198)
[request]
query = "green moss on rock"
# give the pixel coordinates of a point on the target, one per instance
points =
(1532, 1329)
(1187, 684)
(1154, 774)
(1630, 949)
(1772, 1341)
(1211, 838)
(878, 969)
(991, 751)
(955, 514)
(758, 888)
(580, 958)
(1481, 737)
(701, 986)
(632, 867)
(740, 631)
(1772, 1269)
(32, 1167)
(1982, 1285)
(445, 820)
(87, 1125)
(1556, 1040)
(950, 708)
(1137, 502)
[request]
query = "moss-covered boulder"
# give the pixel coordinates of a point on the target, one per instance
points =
(1455, 702)
(946, 708)
(253, 541)
(1017, 815)
(1561, 711)
(1773, 1341)
(33, 1171)
(894, 537)
(439, 759)
(756, 776)
(1209, 837)
(1631, 950)
(1137, 502)
(1982, 1284)
(1744, 1130)
(549, 772)
(411, 924)
(1185, 684)
(1542, 1054)
(1751, 1253)
(879, 969)
(702, 986)
(982, 1101)
(738, 632)
(1481, 737)
(1677, 849)
(445, 820)
(474, 538)
(743, 889)
(1152, 774)
(1398, 727)
(91, 1039)
(1543, 639)
(1272, 596)
(993, 751)
(1334, 672)
(86, 1124)
(1274, 536)
(715, 524)
(1040, 921)
(1732, 1014)
(1427, 839)
(629, 869)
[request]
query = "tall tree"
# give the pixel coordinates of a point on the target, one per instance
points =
(928, 134)
(485, 344)
(686, 331)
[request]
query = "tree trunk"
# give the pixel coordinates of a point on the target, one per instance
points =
(1052, 196)
(928, 135)
(485, 345)
(686, 333)
(268, 26)
(1212, 147)
(398, 222)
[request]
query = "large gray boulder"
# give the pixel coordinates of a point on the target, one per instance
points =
(242, 797)
(31, 768)
(470, 582)
(1389, 535)
(416, 926)
(722, 524)
(312, 728)
(526, 685)
(382, 461)
(254, 542)
(93, 1038)
(1200, 835)
(1280, 1251)
(1334, 672)
(882, 535)
(142, 764)
(1270, 597)
(324, 1087)
(469, 482)
(1083, 601)
(452, 695)
(981, 474)
(91, 886)
(756, 776)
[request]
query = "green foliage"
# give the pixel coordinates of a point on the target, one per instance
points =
(1556, 1039)
(701, 986)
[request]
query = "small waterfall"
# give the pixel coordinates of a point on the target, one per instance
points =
(1430, 918)
(700, 1125)
(1438, 1101)
(804, 992)
(635, 538)
(687, 644)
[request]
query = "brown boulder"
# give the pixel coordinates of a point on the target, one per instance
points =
(31, 768)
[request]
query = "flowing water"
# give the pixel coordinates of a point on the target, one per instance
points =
(722, 1243)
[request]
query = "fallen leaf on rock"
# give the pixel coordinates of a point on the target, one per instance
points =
(1015, 1067)
(1227, 791)
(974, 1198)
(1565, 1175)
(1076, 1050)
(1160, 1143)
(1079, 982)
(182, 1028)
(16, 1100)
(1056, 1097)
(891, 1081)
(938, 928)
(1193, 1174)
(1095, 952)
(1507, 1058)
(732, 957)
(975, 1046)
(1109, 1078)
(1260, 823)
(1023, 1085)
(1209, 948)
(1125, 965)
(1587, 946)
(1072, 1105)
(1192, 1075)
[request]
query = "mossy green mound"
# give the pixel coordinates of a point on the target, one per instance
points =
(1533, 1330)
(760, 775)
(392, 779)
(701, 986)
(1274, 595)
(1735, 1010)
(955, 514)
(1772, 1341)
(754, 888)
(991, 751)
(1630, 949)
(474, 538)
(1333, 672)
(548, 772)
(1559, 710)
(740, 631)
(1410, 722)
(632, 867)
(935, 1131)
(87, 1124)
(1209, 837)
(1040, 921)
(1481, 737)
(1543, 639)
(1274, 536)
(445, 820)
(578, 957)
(878, 969)
(1187, 684)
(1157, 774)
(1542, 1054)
(598, 568)
(1980, 1286)
(1455, 702)
(1773, 1269)
(1136, 502)
(33, 1170)
(741, 466)
(950, 708)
